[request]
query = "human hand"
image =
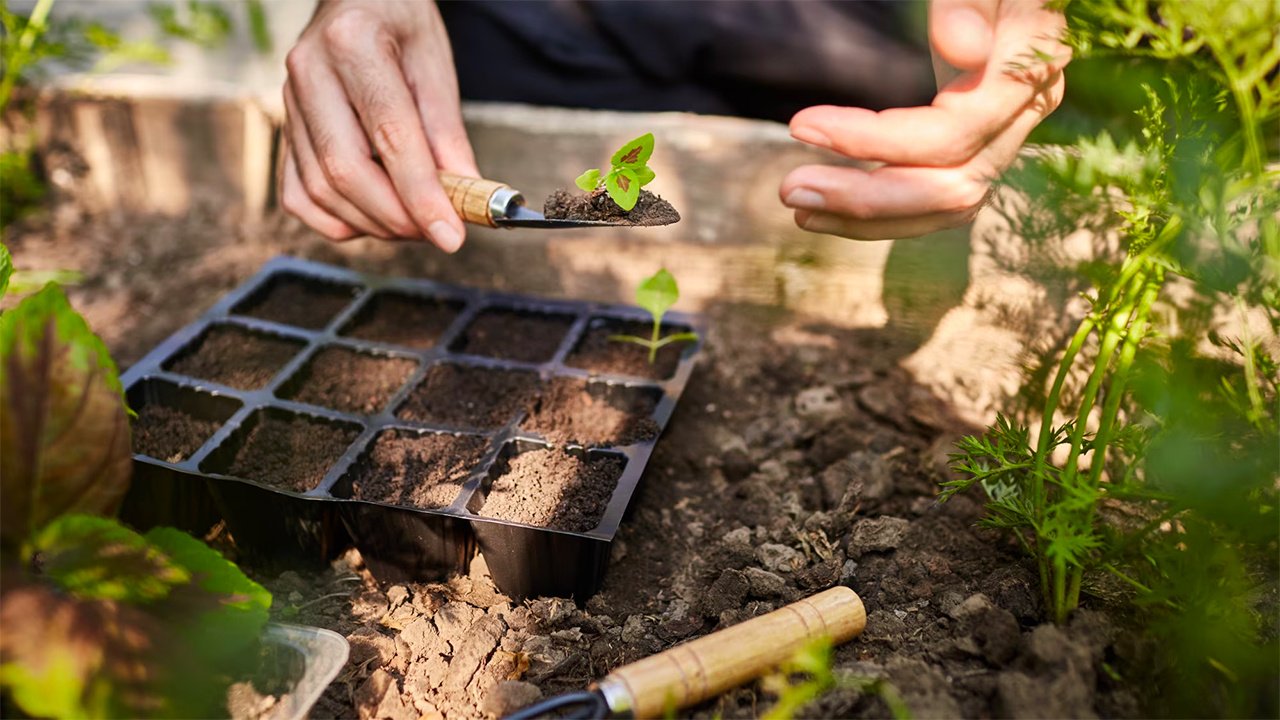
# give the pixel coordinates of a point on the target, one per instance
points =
(940, 160)
(372, 115)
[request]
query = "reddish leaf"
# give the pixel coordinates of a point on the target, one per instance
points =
(64, 432)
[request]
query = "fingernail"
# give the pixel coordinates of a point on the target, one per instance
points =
(805, 199)
(811, 135)
(443, 235)
(822, 224)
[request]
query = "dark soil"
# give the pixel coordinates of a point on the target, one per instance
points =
(292, 452)
(464, 396)
(304, 303)
(649, 210)
(570, 410)
(425, 471)
(347, 380)
(400, 319)
(552, 488)
(514, 335)
(597, 353)
(236, 357)
(170, 434)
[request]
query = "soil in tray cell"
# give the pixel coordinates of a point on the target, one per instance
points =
(347, 380)
(474, 397)
(291, 452)
(554, 489)
(570, 410)
(399, 319)
(236, 357)
(298, 301)
(597, 353)
(512, 335)
(424, 471)
(170, 434)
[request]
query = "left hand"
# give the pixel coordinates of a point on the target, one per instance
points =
(939, 161)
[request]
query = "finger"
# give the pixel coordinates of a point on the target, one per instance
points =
(962, 118)
(879, 229)
(298, 203)
(313, 178)
(962, 31)
(883, 193)
(387, 112)
(434, 87)
(342, 151)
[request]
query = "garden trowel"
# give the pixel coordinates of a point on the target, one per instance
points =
(694, 671)
(487, 202)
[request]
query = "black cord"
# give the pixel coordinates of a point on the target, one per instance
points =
(592, 707)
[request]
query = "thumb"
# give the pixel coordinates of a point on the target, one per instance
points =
(961, 32)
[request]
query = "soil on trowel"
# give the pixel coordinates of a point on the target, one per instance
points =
(512, 335)
(574, 411)
(425, 471)
(350, 381)
(400, 319)
(169, 433)
(291, 452)
(472, 397)
(303, 303)
(649, 210)
(235, 357)
(554, 489)
(597, 353)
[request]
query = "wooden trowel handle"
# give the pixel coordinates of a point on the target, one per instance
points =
(689, 673)
(474, 198)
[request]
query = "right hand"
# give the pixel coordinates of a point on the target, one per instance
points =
(372, 115)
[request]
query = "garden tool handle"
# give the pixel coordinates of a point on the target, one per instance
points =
(694, 671)
(478, 201)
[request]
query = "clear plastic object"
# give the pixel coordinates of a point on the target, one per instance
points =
(322, 653)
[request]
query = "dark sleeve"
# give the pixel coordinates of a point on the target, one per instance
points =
(763, 58)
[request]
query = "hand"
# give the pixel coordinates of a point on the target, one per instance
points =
(940, 160)
(374, 80)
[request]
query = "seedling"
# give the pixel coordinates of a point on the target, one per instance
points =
(656, 294)
(628, 172)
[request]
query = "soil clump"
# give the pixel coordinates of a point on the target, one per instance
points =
(649, 210)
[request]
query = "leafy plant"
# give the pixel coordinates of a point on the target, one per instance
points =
(808, 676)
(628, 172)
(1146, 454)
(657, 294)
(99, 620)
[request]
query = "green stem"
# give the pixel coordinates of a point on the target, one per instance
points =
(653, 342)
(1051, 408)
(18, 61)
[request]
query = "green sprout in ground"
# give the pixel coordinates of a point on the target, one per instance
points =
(628, 172)
(657, 294)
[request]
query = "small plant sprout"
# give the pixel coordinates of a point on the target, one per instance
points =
(628, 172)
(656, 294)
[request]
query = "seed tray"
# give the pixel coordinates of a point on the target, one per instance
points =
(287, 475)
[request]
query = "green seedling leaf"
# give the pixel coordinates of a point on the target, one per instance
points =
(635, 153)
(6, 269)
(624, 187)
(588, 180)
(93, 558)
(64, 431)
(644, 175)
(657, 294)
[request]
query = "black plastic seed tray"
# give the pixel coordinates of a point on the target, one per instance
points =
(310, 409)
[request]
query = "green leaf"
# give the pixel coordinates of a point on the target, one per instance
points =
(64, 432)
(635, 153)
(588, 180)
(623, 186)
(94, 558)
(229, 609)
(258, 27)
(657, 294)
(644, 175)
(6, 269)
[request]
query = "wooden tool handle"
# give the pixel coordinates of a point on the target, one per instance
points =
(472, 197)
(692, 672)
